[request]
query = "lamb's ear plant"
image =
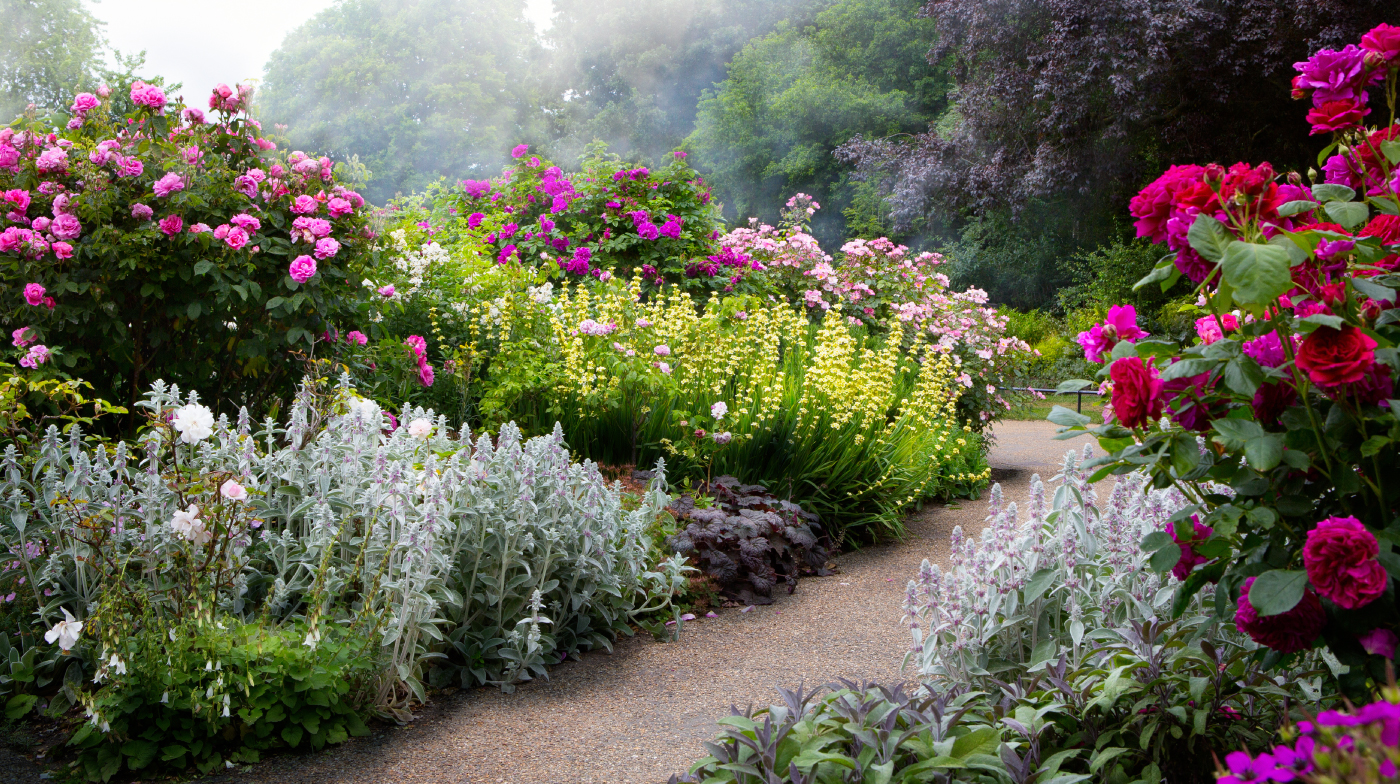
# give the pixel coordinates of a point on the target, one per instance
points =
(334, 556)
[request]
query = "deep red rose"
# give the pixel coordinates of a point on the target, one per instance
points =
(1368, 153)
(1340, 556)
(1271, 400)
(1337, 356)
(1373, 388)
(1386, 228)
(1186, 401)
(1190, 559)
(1153, 205)
(1287, 632)
(1137, 391)
(1337, 116)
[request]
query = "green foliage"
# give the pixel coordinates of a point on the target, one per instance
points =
(415, 89)
(203, 692)
(791, 97)
(856, 733)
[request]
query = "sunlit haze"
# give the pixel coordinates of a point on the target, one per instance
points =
(203, 43)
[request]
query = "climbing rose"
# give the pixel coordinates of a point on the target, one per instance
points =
(1340, 556)
(1336, 356)
(1137, 391)
(1287, 632)
(302, 268)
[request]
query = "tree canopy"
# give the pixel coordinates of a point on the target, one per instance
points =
(416, 88)
(791, 97)
(51, 49)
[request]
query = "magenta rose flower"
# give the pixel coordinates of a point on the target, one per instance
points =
(1336, 356)
(1287, 632)
(66, 227)
(236, 238)
(86, 102)
(425, 374)
(1379, 642)
(1335, 75)
(62, 250)
(357, 337)
(519, 151)
(418, 345)
(1187, 401)
(171, 225)
(339, 207)
(305, 205)
(1137, 391)
(141, 212)
(475, 220)
(302, 268)
(1099, 340)
(1340, 556)
(326, 248)
(1384, 40)
(34, 294)
(1190, 559)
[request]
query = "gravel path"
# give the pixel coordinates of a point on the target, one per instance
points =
(639, 714)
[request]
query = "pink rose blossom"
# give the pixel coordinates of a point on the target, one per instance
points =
(304, 205)
(1287, 632)
(67, 227)
(141, 212)
(54, 159)
(23, 337)
(326, 248)
(33, 294)
(302, 269)
(84, 103)
(425, 374)
(62, 250)
(195, 116)
(662, 350)
(129, 166)
(222, 231)
(339, 207)
(246, 222)
(171, 225)
(236, 238)
(519, 151)
(318, 227)
(386, 292)
(37, 356)
(199, 228)
(40, 224)
(147, 95)
(1121, 324)
(419, 346)
(357, 337)
(168, 184)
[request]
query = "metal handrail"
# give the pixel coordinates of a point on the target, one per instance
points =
(1078, 395)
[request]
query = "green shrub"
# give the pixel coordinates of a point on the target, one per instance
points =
(208, 691)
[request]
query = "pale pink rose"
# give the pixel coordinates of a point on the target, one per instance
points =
(141, 212)
(199, 228)
(305, 205)
(326, 248)
(233, 491)
(67, 227)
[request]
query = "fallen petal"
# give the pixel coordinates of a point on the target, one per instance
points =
(711, 615)
(688, 617)
(746, 609)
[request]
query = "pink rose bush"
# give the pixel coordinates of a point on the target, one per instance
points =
(114, 242)
(1288, 382)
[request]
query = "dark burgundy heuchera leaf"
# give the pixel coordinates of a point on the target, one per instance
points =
(747, 541)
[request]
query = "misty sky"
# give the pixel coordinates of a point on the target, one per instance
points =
(184, 41)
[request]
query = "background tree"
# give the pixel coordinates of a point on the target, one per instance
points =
(417, 88)
(791, 97)
(1063, 107)
(49, 49)
(630, 72)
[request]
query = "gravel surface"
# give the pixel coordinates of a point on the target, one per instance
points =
(640, 713)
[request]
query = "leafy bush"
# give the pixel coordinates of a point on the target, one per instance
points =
(855, 733)
(1291, 382)
(156, 245)
(332, 552)
(747, 540)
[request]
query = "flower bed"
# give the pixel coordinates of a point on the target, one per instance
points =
(220, 589)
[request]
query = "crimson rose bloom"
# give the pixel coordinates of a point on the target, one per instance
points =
(1271, 400)
(1186, 402)
(1189, 557)
(1337, 356)
(1384, 40)
(1340, 556)
(1154, 204)
(1137, 391)
(1384, 227)
(1337, 116)
(1287, 632)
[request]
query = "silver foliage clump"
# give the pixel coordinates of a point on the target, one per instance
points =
(494, 558)
(1056, 583)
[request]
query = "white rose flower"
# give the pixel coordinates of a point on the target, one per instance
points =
(194, 423)
(420, 428)
(187, 525)
(718, 410)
